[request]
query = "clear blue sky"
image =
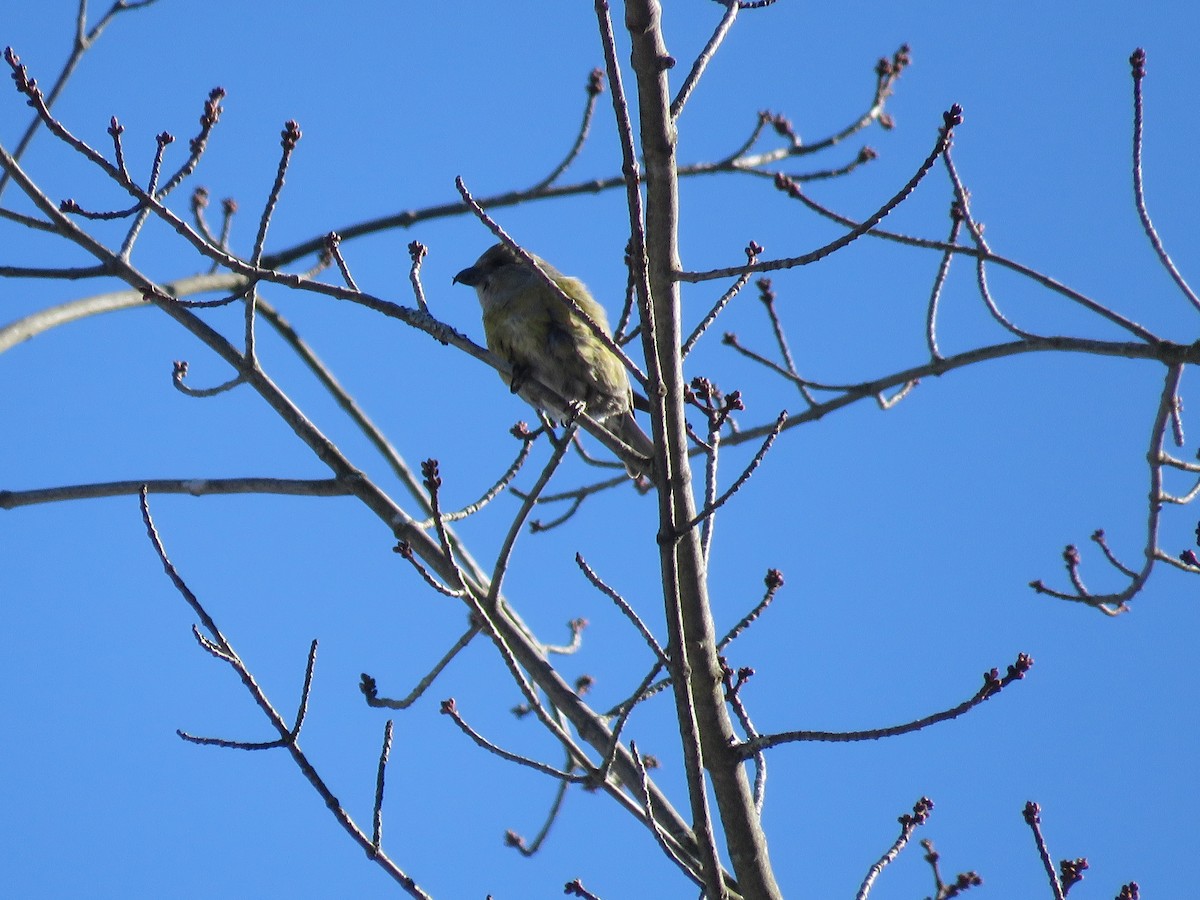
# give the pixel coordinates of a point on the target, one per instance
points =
(907, 538)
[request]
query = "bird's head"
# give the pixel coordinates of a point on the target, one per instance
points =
(499, 266)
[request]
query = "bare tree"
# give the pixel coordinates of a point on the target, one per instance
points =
(710, 825)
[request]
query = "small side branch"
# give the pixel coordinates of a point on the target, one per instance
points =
(225, 653)
(780, 420)
(333, 246)
(405, 550)
(773, 581)
(84, 40)
(1033, 818)
(1156, 458)
(450, 709)
(992, 685)
(417, 253)
(951, 119)
(623, 712)
(526, 437)
(575, 888)
(705, 57)
(530, 848)
(943, 891)
(652, 822)
(595, 87)
(939, 281)
(962, 208)
(622, 605)
(734, 682)
(1138, 63)
(288, 736)
(370, 687)
(377, 817)
(180, 371)
(909, 822)
(752, 253)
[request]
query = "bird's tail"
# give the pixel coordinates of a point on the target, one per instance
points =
(628, 430)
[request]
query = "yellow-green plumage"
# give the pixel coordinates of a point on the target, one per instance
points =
(529, 326)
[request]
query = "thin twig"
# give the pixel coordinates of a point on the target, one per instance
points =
(733, 696)
(512, 839)
(994, 259)
(1138, 63)
(576, 628)
(197, 145)
(333, 242)
(450, 709)
(622, 605)
(377, 817)
(1115, 603)
(432, 480)
(370, 689)
(951, 119)
(773, 581)
(595, 87)
(84, 40)
(705, 57)
(180, 373)
(286, 739)
(631, 179)
(752, 252)
(1099, 538)
(405, 550)
(417, 252)
(305, 691)
(622, 717)
(652, 822)
(526, 438)
(711, 508)
(942, 890)
(501, 566)
(963, 209)
(992, 685)
(161, 142)
(939, 281)
(908, 824)
(1033, 818)
(199, 204)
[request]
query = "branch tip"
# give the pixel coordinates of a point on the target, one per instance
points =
(291, 134)
(1137, 61)
(595, 85)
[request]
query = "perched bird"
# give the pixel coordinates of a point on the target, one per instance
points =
(532, 329)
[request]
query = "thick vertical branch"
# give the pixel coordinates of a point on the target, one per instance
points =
(699, 697)
(709, 861)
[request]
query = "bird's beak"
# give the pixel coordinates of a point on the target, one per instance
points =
(468, 276)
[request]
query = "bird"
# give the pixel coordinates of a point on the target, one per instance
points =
(529, 326)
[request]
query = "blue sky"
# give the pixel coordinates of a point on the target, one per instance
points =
(907, 538)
